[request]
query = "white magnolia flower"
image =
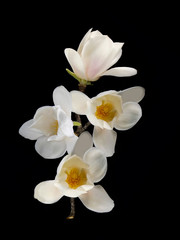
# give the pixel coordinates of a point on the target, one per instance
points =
(52, 126)
(95, 55)
(76, 175)
(108, 110)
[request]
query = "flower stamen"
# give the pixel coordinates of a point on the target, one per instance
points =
(76, 177)
(55, 127)
(105, 112)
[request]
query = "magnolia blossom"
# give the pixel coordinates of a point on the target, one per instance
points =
(76, 175)
(52, 126)
(108, 110)
(95, 55)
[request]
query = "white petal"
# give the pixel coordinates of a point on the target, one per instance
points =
(97, 200)
(133, 94)
(97, 164)
(70, 143)
(76, 62)
(131, 114)
(28, 132)
(83, 41)
(120, 72)
(50, 149)
(79, 102)
(67, 127)
(62, 97)
(44, 119)
(105, 140)
(83, 143)
(47, 192)
(95, 55)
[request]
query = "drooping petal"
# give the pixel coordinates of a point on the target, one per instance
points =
(70, 143)
(133, 94)
(83, 143)
(76, 62)
(62, 97)
(105, 140)
(79, 102)
(47, 192)
(120, 72)
(97, 164)
(97, 200)
(28, 132)
(131, 114)
(50, 149)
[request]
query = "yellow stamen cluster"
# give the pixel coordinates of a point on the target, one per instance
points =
(105, 112)
(55, 127)
(76, 177)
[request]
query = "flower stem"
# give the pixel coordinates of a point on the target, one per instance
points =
(82, 129)
(72, 212)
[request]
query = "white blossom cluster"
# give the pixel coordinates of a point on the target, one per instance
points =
(56, 133)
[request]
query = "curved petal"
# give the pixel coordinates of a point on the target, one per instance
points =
(97, 164)
(105, 140)
(133, 94)
(44, 119)
(79, 102)
(70, 143)
(27, 132)
(95, 54)
(63, 98)
(47, 192)
(97, 200)
(76, 62)
(83, 143)
(131, 114)
(50, 149)
(83, 41)
(120, 72)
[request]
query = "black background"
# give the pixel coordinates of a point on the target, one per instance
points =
(141, 175)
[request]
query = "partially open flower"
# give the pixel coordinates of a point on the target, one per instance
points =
(95, 55)
(52, 126)
(76, 175)
(108, 110)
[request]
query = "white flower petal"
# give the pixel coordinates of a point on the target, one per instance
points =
(50, 149)
(83, 41)
(62, 97)
(83, 143)
(79, 102)
(67, 128)
(70, 143)
(133, 94)
(97, 164)
(120, 72)
(95, 55)
(28, 132)
(76, 62)
(47, 192)
(131, 114)
(44, 119)
(97, 200)
(105, 140)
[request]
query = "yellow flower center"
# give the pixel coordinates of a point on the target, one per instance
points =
(105, 112)
(54, 127)
(76, 177)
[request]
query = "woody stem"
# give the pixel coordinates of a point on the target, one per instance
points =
(72, 212)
